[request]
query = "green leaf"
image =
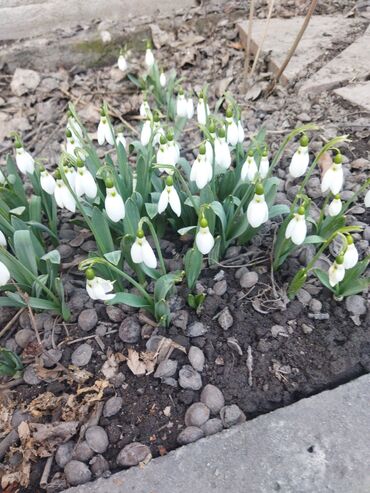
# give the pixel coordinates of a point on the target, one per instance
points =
(6, 301)
(356, 287)
(312, 239)
(130, 300)
(278, 210)
(323, 278)
(15, 180)
(113, 257)
(101, 231)
(53, 256)
(184, 231)
(220, 213)
(297, 282)
(215, 254)
(151, 209)
(132, 217)
(165, 283)
(24, 250)
(193, 265)
(34, 209)
(196, 201)
(162, 312)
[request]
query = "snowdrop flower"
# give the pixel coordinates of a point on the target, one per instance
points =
(201, 171)
(204, 239)
(71, 143)
(145, 111)
(300, 160)
(84, 182)
(202, 110)
(70, 173)
(222, 151)
(163, 79)
(97, 287)
(146, 133)
(122, 63)
(114, 205)
(351, 254)
(209, 152)
(257, 212)
(120, 139)
(62, 195)
(232, 132)
(158, 132)
(2, 178)
(149, 57)
(169, 196)
(264, 165)
(241, 134)
(336, 271)
(173, 148)
(104, 131)
(297, 228)
(190, 108)
(74, 127)
(4, 274)
(2, 239)
(181, 105)
(24, 160)
(335, 206)
(141, 251)
(367, 199)
(333, 177)
(47, 181)
(249, 169)
(165, 155)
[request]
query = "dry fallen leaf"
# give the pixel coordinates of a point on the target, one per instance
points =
(44, 404)
(325, 162)
(133, 362)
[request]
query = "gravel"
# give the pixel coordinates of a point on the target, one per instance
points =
(97, 439)
(225, 319)
(82, 452)
(64, 453)
(356, 304)
(315, 306)
(130, 330)
(166, 368)
(248, 279)
(196, 329)
(197, 414)
(220, 287)
(180, 319)
(87, 319)
(212, 426)
(77, 472)
(30, 376)
(81, 355)
(23, 337)
(99, 466)
(213, 398)
(133, 454)
(112, 406)
(114, 313)
(196, 358)
(51, 357)
(189, 435)
(189, 378)
(232, 415)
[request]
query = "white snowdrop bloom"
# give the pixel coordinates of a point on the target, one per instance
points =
(257, 211)
(350, 255)
(114, 205)
(122, 63)
(145, 111)
(75, 129)
(63, 196)
(84, 182)
(367, 199)
(141, 251)
(157, 135)
(105, 36)
(104, 132)
(97, 287)
(24, 161)
(169, 196)
(333, 177)
(2, 178)
(202, 111)
(173, 149)
(120, 139)
(47, 182)
(146, 133)
(163, 79)
(264, 166)
(70, 173)
(241, 133)
(232, 132)
(165, 155)
(249, 169)
(297, 228)
(299, 163)
(201, 171)
(335, 206)
(71, 146)
(149, 58)
(4, 274)
(190, 108)
(209, 152)
(204, 239)
(181, 105)
(336, 271)
(222, 151)
(2, 239)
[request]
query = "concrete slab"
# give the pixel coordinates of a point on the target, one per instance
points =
(321, 34)
(352, 64)
(320, 444)
(356, 94)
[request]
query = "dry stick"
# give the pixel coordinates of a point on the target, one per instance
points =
(247, 55)
(11, 439)
(12, 321)
(271, 6)
(11, 384)
(294, 46)
(45, 474)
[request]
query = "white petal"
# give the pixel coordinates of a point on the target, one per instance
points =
(2, 239)
(190, 108)
(58, 194)
(299, 232)
(114, 207)
(337, 180)
(109, 137)
(209, 152)
(4, 274)
(326, 180)
(241, 134)
(90, 188)
(47, 183)
(101, 133)
(336, 274)
(162, 80)
(350, 257)
(204, 241)
(149, 258)
(257, 212)
(299, 162)
(174, 200)
(79, 184)
(232, 133)
(367, 199)
(290, 228)
(201, 112)
(120, 139)
(181, 106)
(149, 58)
(335, 207)
(68, 200)
(163, 201)
(122, 64)
(137, 253)
(264, 167)
(146, 133)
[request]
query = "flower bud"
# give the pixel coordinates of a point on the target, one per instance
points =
(90, 274)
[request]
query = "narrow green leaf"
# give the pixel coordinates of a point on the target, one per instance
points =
(130, 300)
(193, 265)
(113, 257)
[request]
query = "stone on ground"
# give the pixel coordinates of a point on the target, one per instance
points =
(356, 94)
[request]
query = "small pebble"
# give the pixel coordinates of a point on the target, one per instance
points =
(82, 452)
(130, 330)
(189, 378)
(213, 398)
(115, 314)
(81, 355)
(101, 330)
(315, 306)
(196, 329)
(212, 426)
(356, 304)
(51, 357)
(97, 439)
(133, 454)
(196, 358)
(180, 319)
(220, 287)
(189, 435)
(225, 319)
(99, 466)
(30, 376)
(248, 279)
(166, 368)
(232, 415)
(304, 296)
(24, 336)
(77, 472)
(87, 319)
(112, 406)
(64, 453)
(197, 414)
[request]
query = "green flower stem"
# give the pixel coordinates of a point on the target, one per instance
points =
(187, 190)
(147, 221)
(238, 209)
(322, 212)
(288, 138)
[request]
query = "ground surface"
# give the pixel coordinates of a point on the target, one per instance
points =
(274, 353)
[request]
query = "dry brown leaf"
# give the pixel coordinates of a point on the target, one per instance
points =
(60, 431)
(19, 477)
(78, 375)
(133, 362)
(325, 161)
(24, 431)
(110, 367)
(44, 404)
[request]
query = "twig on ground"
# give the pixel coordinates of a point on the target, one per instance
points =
(12, 321)
(34, 326)
(248, 50)
(46, 472)
(250, 366)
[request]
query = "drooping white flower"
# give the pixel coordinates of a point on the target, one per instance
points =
(257, 211)
(173, 149)
(169, 196)
(2, 239)
(241, 134)
(4, 274)
(336, 271)
(158, 132)
(202, 110)
(333, 177)
(70, 173)
(201, 171)
(181, 105)
(2, 178)
(204, 239)
(264, 165)
(146, 133)
(122, 63)
(75, 129)
(84, 182)
(114, 205)
(297, 228)
(249, 170)
(63, 196)
(367, 199)
(190, 108)
(166, 155)
(222, 151)
(97, 287)
(351, 254)
(72, 144)
(104, 132)
(335, 206)
(209, 152)
(299, 163)
(120, 139)
(149, 58)
(24, 160)
(47, 182)
(145, 111)
(141, 251)
(232, 132)
(163, 79)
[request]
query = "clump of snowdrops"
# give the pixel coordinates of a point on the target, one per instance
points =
(143, 189)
